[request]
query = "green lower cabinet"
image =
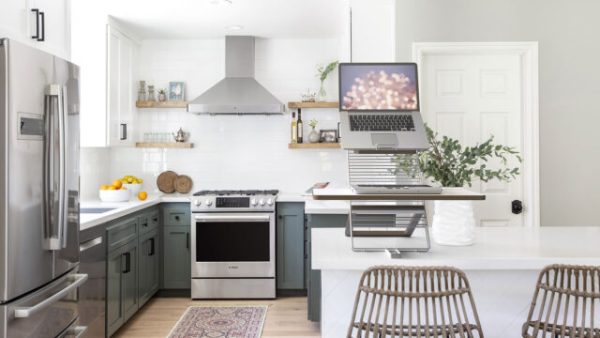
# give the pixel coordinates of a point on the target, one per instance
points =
(290, 246)
(148, 263)
(314, 276)
(176, 257)
(114, 313)
(122, 285)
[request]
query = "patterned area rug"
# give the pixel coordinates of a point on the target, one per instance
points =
(220, 322)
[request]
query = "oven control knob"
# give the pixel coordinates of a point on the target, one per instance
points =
(208, 203)
(253, 202)
(197, 203)
(270, 201)
(261, 202)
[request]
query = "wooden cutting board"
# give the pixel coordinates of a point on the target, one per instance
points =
(166, 181)
(183, 184)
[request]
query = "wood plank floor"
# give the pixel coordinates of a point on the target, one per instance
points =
(286, 317)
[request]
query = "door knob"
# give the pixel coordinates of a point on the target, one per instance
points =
(517, 207)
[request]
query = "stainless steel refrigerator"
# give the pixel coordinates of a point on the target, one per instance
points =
(39, 193)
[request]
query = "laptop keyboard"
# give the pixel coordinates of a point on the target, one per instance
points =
(387, 122)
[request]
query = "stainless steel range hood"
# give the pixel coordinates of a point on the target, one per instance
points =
(238, 92)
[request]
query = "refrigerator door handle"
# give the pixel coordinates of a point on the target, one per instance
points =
(63, 197)
(54, 234)
(78, 279)
(47, 181)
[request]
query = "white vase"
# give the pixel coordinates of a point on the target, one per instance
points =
(453, 223)
(313, 137)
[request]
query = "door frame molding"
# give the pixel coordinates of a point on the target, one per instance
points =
(528, 52)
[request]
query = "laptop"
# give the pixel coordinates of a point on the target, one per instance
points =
(379, 107)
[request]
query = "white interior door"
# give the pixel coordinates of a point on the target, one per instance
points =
(470, 96)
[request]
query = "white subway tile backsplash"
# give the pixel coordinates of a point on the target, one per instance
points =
(229, 151)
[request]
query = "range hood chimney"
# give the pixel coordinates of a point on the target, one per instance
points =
(238, 92)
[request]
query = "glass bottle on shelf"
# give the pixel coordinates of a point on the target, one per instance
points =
(294, 128)
(300, 127)
(151, 95)
(142, 95)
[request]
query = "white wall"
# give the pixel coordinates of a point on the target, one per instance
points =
(94, 171)
(373, 30)
(233, 151)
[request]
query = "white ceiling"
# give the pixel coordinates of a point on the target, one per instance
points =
(184, 19)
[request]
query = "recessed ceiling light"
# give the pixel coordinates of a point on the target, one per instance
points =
(216, 2)
(235, 27)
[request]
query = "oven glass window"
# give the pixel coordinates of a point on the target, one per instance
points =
(232, 242)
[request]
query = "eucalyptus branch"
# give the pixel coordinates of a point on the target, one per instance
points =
(452, 165)
(325, 70)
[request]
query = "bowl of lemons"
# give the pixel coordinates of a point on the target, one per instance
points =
(123, 189)
(132, 183)
(114, 192)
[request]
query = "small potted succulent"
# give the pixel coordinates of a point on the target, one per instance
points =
(451, 164)
(313, 136)
(162, 95)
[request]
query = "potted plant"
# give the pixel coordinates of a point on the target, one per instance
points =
(451, 164)
(162, 95)
(323, 73)
(313, 136)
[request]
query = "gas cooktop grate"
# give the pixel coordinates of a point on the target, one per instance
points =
(236, 192)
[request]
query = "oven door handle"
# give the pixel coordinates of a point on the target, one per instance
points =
(232, 218)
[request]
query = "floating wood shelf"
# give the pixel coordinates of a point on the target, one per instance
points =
(166, 104)
(182, 145)
(318, 104)
(314, 146)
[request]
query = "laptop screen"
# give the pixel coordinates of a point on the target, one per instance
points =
(378, 87)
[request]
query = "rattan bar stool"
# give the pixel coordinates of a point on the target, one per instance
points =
(395, 301)
(565, 303)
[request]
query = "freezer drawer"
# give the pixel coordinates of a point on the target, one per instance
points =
(47, 312)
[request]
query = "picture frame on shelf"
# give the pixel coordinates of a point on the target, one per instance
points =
(328, 136)
(176, 91)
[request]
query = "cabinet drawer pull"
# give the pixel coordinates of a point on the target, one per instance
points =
(43, 35)
(127, 256)
(36, 13)
(123, 135)
(187, 240)
(151, 253)
(90, 244)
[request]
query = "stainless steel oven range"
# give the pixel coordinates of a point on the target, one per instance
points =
(233, 244)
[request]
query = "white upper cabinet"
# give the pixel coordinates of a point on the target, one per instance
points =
(106, 54)
(120, 88)
(43, 24)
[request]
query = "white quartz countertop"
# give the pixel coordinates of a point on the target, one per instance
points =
(121, 209)
(124, 208)
(494, 249)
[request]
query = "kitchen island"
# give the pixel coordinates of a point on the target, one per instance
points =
(502, 267)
